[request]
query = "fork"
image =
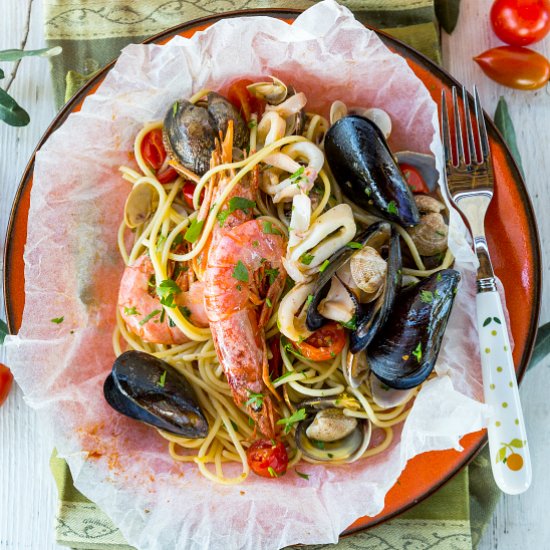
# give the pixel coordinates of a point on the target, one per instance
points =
(469, 182)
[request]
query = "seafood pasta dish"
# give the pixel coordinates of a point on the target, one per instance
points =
(287, 282)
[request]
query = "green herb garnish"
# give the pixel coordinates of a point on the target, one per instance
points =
(255, 400)
(185, 311)
(309, 299)
(417, 352)
(272, 274)
(235, 203)
(353, 244)
(193, 231)
(351, 324)
(426, 296)
(268, 302)
(57, 320)
(306, 258)
(240, 272)
(267, 228)
(235, 427)
(272, 472)
(153, 313)
(392, 208)
(300, 414)
(305, 476)
(162, 380)
(324, 265)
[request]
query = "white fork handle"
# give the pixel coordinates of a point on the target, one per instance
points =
(508, 446)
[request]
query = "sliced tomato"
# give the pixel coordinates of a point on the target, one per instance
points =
(189, 191)
(167, 174)
(152, 149)
(267, 458)
(243, 100)
(414, 179)
(6, 381)
(324, 344)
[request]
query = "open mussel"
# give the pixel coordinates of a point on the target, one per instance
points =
(148, 389)
(190, 130)
(327, 434)
(404, 351)
(365, 169)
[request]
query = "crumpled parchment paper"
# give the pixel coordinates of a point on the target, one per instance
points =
(73, 269)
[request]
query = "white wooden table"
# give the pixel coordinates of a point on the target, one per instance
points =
(27, 492)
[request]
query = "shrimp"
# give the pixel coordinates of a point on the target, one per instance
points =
(245, 264)
(141, 310)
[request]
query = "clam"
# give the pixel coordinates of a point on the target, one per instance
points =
(274, 92)
(148, 389)
(387, 397)
(431, 234)
(365, 169)
(327, 434)
(403, 352)
(190, 130)
(139, 205)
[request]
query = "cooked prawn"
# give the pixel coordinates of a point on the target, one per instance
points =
(245, 265)
(141, 309)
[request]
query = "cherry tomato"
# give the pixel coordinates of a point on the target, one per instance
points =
(243, 100)
(267, 458)
(6, 380)
(520, 22)
(515, 67)
(167, 175)
(189, 191)
(276, 360)
(414, 179)
(153, 150)
(324, 343)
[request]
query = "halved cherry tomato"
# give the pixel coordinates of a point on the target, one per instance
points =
(243, 100)
(515, 67)
(276, 360)
(323, 344)
(167, 174)
(152, 149)
(189, 191)
(520, 22)
(414, 179)
(267, 458)
(6, 381)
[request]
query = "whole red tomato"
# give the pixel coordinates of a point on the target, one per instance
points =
(267, 458)
(6, 380)
(521, 22)
(515, 67)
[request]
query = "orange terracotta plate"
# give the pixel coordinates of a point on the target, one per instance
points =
(511, 232)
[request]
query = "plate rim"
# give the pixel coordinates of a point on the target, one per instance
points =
(399, 46)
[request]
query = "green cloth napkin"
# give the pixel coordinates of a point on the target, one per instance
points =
(92, 32)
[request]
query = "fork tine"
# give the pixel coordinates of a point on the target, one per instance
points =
(470, 144)
(458, 128)
(445, 130)
(480, 120)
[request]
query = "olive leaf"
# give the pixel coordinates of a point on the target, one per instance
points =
(11, 112)
(447, 12)
(542, 345)
(16, 55)
(3, 331)
(516, 443)
(487, 321)
(1, 74)
(506, 127)
(501, 455)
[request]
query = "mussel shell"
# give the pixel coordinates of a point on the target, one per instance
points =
(425, 164)
(375, 235)
(365, 169)
(379, 310)
(417, 322)
(190, 130)
(148, 389)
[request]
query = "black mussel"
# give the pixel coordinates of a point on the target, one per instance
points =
(375, 236)
(190, 130)
(365, 169)
(148, 389)
(404, 351)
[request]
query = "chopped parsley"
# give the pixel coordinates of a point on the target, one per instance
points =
(426, 296)
(306, 258)
(234, 425)
(131, 311)
(298, 175)
(417, 352)
(440, 233)
(162, 316)
(304, 476)
(162, 380)
(179, 269)
(438, 278)
(318, 444)
(193, 231)
(353, 244)
(368, 191)
(166, 292)
(185, 311)
(272, 472)
(267, 228)
(153, 313)
(178, 239)
(171, 323)
(57, 320)
(252, 123)
(351, 324)
(255, 244)
(392, 208)
(272, 274)
(268, 302)
(235, 203)
(255, 400)
(309, 299)
(240, 272)
(174, 108)
(300, 414)
(324, 265)
(283, 376)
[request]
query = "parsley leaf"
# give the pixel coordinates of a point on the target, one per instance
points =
(272, 274)
(255, 400)
(306, 258)
(166, 292)
(178, 239)
(324, 265)
(162, 380)
(298, 174)
(351, 324)
(439, 277)
(193, 231)
(185, 311)
(300, 414)
(252, 123)
(153, 313)
(57, 320)
(267, 228)
(417, 352)
(353, 244)
(305, 476)
(426, 296)
(240, 272)
(392, 208)
(235, 203)
(272, 472)
(268, 302)
(131, 311)
(234, 425)
(309, 299)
